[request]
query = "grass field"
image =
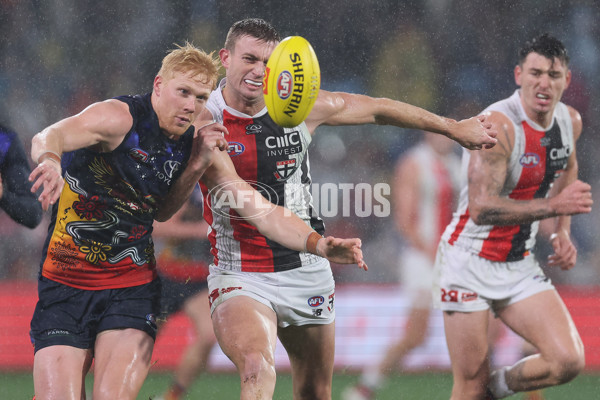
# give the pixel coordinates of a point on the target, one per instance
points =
(435, 386)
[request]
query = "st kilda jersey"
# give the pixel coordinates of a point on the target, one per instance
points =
(438, 185)
(99, 235)
(539, 156)
(274, 160)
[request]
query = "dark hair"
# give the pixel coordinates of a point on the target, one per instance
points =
(254, 27)
(546, 45)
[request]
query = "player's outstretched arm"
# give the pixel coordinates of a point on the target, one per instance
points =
(286, 228)
(339, 108)
(275, 222)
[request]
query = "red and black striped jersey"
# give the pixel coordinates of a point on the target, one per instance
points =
(538, 157)
(274, 160)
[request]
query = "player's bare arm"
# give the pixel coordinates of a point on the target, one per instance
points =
(565, 252)
(339, 108)
(487, 174)
(209, 139)
(101, 126)
(571, 196)
(275, 222)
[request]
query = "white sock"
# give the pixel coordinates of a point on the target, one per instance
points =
(371, 378)
(498, 385)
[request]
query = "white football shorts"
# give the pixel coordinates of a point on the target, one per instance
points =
(299, 296)
(416, 275)
(466, 282)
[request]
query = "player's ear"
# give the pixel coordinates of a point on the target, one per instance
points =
(224, 55)
(158, 80)
(518, 72)
(568, 78)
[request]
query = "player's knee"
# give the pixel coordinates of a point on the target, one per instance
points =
(473, 389)
(567, 366)
(473, 375)
(206, 340)
(314, 392)
(257, 367)
(107, 392)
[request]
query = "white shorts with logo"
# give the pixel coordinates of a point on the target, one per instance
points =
(416, 277)
(299, 296)
(466, 282)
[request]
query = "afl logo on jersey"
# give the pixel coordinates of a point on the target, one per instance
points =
(284, 85)
(316, 301)
(529, 160)
(235, 149)
(138, 155)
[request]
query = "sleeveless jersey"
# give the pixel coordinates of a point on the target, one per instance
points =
(274, 160)
(438, 184)
(99, 235)
(538, 157)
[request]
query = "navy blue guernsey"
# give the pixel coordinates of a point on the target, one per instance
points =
(99, 237)
(17, 200)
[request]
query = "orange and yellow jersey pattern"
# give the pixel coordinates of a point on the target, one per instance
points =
(100, 233)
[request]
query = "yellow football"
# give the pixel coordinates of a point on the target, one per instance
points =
(292, 81)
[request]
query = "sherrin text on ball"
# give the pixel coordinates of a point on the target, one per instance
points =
(292, 81)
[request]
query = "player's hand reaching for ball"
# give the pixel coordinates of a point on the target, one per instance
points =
(209, 137)
(342, 251)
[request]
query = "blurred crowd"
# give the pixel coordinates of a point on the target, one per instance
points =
(450, 57)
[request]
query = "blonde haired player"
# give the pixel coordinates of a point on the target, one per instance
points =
(106, 172)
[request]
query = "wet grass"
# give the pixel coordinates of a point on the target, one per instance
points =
(433, 386)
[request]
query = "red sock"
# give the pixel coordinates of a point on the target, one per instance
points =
(175, 392)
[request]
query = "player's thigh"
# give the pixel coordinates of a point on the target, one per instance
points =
(466, 337)
(59, 372)
(417, 323)
(121, 362)
(544, 321)
(245, 326)
(311, 350)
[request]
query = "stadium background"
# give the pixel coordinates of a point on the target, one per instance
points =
(451, 57)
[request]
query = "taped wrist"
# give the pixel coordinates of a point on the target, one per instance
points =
(310, 244)
(49, 155)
